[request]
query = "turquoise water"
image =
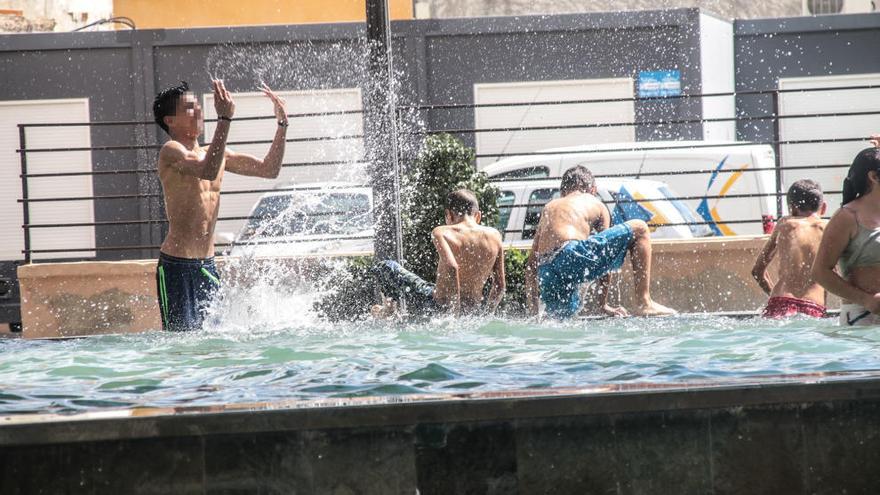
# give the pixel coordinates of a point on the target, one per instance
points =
(350, 360)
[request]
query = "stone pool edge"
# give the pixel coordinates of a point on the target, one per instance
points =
(413, 410)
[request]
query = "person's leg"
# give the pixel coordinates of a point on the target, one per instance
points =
(640, 255)
(206, 284)
(399, 283)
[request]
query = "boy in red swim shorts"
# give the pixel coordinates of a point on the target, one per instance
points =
(795, 239)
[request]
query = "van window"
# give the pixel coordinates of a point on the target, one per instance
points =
(524, 173)
(537, 200)
(505, 201)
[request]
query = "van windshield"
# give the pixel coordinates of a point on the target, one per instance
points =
(309, 213)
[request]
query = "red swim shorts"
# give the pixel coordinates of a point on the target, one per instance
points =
(782, 307)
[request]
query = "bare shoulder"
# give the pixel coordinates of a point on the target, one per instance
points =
(491, 233)
(439, 231)
(171, 151)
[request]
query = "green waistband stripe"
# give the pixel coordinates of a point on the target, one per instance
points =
(210, 276)
(163, 294)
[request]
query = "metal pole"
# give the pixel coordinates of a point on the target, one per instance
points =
(777, 150)
(380, 133)
(25, 205)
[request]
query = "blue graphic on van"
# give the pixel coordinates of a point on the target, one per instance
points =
(703, 208)
(626, 208)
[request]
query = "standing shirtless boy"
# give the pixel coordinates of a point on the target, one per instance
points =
(574, 243)
(191, 175)
(469, 255)
(796, 239)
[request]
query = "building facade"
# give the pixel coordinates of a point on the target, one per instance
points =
(730, 9)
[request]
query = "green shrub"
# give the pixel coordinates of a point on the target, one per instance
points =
(514, 303)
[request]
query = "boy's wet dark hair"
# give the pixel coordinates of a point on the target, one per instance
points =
(805, 196)
(462, 202)
(165, 103)
(578, 178)
(856, 183)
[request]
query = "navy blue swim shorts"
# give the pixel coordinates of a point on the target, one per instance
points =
(186, 288)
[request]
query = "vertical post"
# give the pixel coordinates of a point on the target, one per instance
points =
(380, 133)
(25, 205)
(777, 150)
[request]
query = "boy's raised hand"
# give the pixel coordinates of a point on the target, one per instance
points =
(223, 103)
(277, 101)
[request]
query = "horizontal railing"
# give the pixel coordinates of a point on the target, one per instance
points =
(776, 143)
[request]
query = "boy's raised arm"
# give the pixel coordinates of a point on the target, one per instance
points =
(759, 271)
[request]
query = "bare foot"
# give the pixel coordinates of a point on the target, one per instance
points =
(384, 311)
(653, 309)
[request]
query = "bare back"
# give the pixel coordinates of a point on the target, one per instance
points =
(569, 218)
(191, 205)
(477, 251)
(797, 243)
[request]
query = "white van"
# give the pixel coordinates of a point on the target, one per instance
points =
(723, 170)
(520, 204)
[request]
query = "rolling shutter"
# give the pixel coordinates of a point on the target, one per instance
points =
(13, 113)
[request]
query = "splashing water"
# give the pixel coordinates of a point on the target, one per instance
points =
(274, 295)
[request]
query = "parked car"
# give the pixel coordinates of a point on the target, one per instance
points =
(720, 169)
(333, 217)
(520, 204)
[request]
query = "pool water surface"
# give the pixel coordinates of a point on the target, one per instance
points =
(315, 360)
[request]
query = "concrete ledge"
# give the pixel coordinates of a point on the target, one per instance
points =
(73, 299)
(816, 433)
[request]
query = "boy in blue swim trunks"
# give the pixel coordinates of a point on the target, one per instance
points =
(191, 176)
(574, 243)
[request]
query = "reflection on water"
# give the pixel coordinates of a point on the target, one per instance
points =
(226, 365)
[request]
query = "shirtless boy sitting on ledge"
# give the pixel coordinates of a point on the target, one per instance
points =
(469, 255)
(574, 243)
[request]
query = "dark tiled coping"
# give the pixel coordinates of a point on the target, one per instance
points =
(810, 433)
(410, 410)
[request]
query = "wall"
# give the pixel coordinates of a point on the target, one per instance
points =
(153, 14)
(730, 9)
(769, 49)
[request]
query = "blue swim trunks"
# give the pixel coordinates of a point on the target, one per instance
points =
(186, 288)
(577, 262)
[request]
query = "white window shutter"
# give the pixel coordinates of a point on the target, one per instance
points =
(13, 113)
